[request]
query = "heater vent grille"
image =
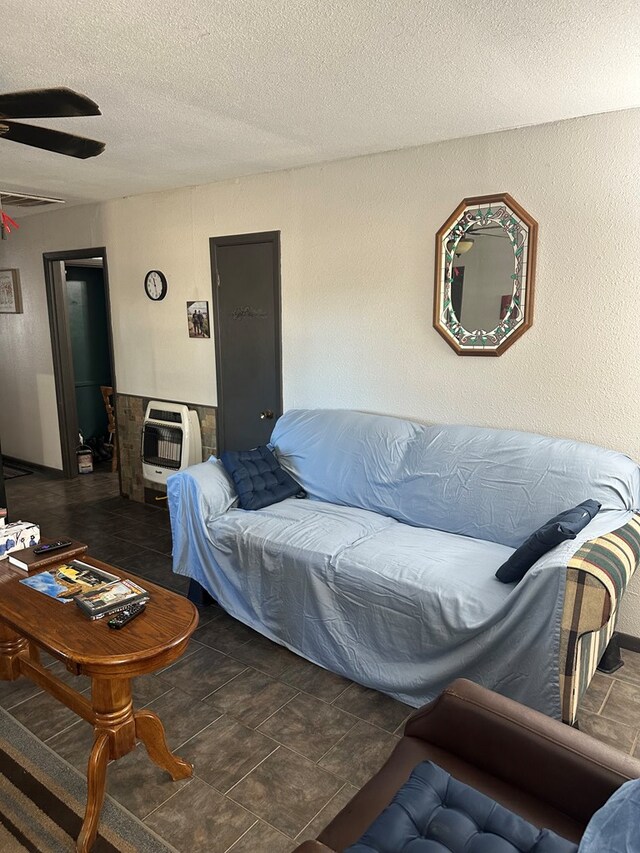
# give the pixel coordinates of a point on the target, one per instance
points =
(162, 446)
(171, 440)
(10, 199)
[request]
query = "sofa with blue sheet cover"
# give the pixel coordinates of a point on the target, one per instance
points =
(385, 573)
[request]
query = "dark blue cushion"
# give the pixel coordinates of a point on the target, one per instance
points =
(434, 813)
(258, 477)
(565, 525)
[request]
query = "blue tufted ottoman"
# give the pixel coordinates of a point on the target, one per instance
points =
(434, 813)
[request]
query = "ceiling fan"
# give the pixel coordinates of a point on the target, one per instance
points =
(48, 103)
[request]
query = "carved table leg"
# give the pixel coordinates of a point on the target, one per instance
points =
(115, 736)
(12, 645)
(113, 710)
(96, 783)
(150, 731)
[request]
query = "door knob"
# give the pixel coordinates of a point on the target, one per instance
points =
(267, 415)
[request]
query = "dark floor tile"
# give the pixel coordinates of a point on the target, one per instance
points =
(168, 579)
(623, 703)
(374, 707)
(112, 550)
(208, 613)
(360, 753)
(50, 523)
(74, 744)
(108, 524)
(609, 731)
(113, 504)
(140, 534)
(138, 511)
(224, 634)
(286, 790)
(225, 752)
(251, 697)
(262, 838)
(308, 726)
(309, 678)
(264, 655)
(33, 504)
(14, 692)
(182, 716)
(146, 688)
(596, 694)
(631, 669)
(44, 715)
(202, 672)
(200, 820)
(324, 817)
(148, 562)
(140, 785)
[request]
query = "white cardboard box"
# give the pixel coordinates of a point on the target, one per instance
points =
(19, 534)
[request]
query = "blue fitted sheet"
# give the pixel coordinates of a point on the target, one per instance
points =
(400, 609)
(498, 485)
(386, 580)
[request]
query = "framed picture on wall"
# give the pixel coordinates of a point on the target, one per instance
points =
(198, 319)
(10, 301)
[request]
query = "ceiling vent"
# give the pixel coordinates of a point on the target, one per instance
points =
(13, 199)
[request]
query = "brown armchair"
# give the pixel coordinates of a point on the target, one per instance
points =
(547, 772)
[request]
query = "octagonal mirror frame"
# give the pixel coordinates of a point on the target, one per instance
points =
(488, 211)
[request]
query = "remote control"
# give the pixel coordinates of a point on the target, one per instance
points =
(126, 615)
(52, 546)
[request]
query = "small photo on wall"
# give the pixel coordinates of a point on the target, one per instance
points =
(198, 319)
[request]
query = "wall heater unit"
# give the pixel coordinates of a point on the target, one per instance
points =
(171, 440)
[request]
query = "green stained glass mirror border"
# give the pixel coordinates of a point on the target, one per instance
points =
(474, 225)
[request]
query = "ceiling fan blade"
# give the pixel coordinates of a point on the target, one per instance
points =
(50, 140)
(46, 103)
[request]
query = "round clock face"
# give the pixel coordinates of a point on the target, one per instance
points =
(155, 285)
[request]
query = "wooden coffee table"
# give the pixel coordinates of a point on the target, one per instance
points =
(31, 621)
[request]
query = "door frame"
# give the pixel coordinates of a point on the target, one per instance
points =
(272, 237)
(62, 352)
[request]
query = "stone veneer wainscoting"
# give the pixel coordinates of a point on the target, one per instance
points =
(130, 411)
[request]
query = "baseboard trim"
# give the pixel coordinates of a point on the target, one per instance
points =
(629, 642)
(53, 472)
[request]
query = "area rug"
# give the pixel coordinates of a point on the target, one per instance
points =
(42, 800)
(10, 471)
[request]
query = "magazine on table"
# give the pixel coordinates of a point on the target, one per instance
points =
(95, 591)
(66, 581)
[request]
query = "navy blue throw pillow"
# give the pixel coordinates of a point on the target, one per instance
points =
(258, 477)
(565, 525)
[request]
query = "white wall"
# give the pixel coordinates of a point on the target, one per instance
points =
(28, 413)
(357, 288)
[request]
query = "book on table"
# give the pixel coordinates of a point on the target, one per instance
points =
(29, 562)
(95, 591)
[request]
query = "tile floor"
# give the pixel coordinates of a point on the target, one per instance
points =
(279, 745)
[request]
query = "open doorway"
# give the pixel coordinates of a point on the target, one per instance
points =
(80, 320)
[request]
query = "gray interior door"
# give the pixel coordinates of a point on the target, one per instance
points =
(246, 300)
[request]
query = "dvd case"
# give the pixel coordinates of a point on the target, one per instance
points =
(110, 598)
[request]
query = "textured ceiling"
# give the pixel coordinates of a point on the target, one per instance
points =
(198, 90)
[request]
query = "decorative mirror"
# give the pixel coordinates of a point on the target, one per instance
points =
(485, 267)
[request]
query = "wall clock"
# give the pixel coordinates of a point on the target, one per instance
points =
(155, 285)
